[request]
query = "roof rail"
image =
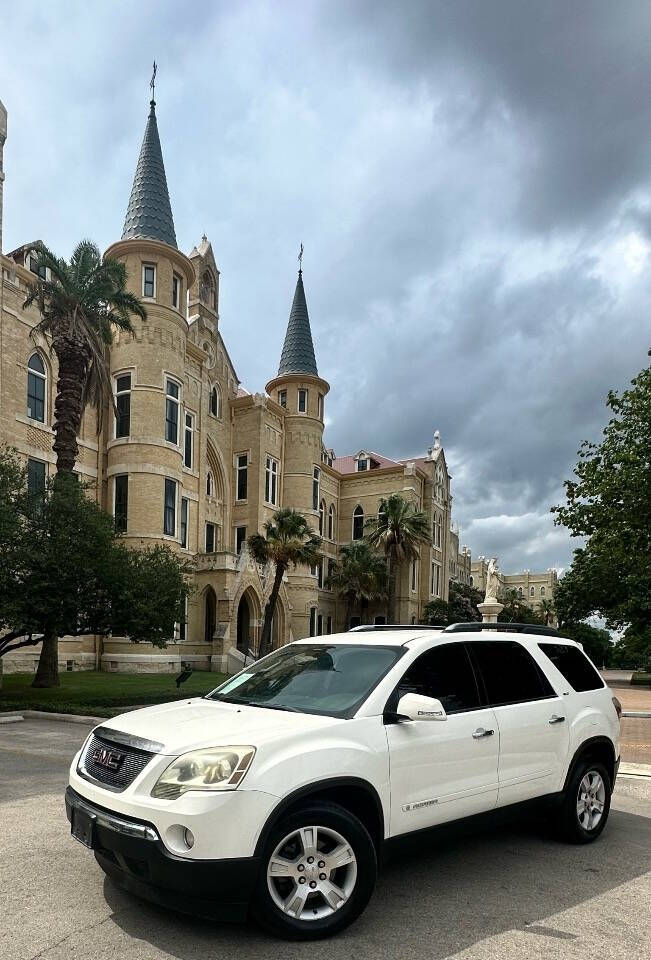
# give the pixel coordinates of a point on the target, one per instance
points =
(474, 627)
(368, 627)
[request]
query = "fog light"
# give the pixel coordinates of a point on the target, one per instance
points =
(188, 838)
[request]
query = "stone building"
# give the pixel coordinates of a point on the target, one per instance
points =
(530, 587)
(195, 461)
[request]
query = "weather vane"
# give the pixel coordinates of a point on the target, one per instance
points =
(300, 259)
(153, 82)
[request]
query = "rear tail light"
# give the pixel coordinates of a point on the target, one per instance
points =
(618, 707)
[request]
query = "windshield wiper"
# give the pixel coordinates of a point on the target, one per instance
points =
(256, 703)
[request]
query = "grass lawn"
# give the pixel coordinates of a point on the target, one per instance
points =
(101, 694)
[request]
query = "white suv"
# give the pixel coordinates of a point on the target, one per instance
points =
(275, 794)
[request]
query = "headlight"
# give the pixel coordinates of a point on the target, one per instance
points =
(218, 768)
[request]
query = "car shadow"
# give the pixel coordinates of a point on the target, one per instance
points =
(445, 891)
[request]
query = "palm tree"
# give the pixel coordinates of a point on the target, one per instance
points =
(80, 303)
(360, 577)
(398, 529)
(288, 539)
(546, 610)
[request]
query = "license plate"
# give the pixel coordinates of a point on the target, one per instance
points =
(82, 827)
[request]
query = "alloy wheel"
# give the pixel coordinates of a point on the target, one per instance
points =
(312, 873)
(591, 800)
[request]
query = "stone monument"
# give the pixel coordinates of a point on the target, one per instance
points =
(491, 608)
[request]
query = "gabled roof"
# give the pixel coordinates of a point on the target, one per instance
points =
(349, 464)
(149, 213)
(298, 349)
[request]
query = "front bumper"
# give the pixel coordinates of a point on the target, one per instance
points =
(132, 853)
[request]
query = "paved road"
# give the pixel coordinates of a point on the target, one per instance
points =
(513, 893)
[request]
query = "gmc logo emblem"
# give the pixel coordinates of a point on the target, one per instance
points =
(105, 757)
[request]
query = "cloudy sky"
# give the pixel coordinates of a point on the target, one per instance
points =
(471, 180)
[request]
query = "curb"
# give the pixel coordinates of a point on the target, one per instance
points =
(13, 715)
(636, 771)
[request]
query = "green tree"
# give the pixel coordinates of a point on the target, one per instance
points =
(65, 572)
(360, 577)
(80, 303)
(460, 607)
(596, 642)
(398, 530)
(609, 504)
(288, 539)
(547, 610)
(516, 610)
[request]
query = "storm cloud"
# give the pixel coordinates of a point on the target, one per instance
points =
(471, 180)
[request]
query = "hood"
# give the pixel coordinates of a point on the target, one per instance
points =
(191, 724)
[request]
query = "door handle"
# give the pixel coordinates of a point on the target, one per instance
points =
(556, 719)
(480, 732)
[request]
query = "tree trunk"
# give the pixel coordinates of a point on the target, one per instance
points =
(391, 591)
(349, 610)
(47, 672)
(270, 609)
(73, 357)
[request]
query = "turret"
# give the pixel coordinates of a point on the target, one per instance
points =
(145, 442)
(301, 392)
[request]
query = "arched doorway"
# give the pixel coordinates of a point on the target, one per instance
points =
(210, 620)
(244, 638)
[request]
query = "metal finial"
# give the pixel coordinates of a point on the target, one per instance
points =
(300, 260)
(153, 81)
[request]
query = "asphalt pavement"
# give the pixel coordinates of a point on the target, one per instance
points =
(511, 892)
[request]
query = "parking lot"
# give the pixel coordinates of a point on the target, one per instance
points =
(512, 892)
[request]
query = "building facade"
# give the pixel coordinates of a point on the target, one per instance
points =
(195, 461)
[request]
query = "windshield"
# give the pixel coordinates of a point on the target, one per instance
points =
(329, 679)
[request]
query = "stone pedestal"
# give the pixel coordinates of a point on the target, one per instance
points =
(490, 610)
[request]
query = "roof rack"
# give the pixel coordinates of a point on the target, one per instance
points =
(368, 627)
(474, 627)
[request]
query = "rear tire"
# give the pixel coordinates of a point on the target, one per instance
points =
(317, 873)
(586, 804)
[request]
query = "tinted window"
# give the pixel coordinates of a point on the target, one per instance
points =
(574, 665)
(445, 673)
(509, 672)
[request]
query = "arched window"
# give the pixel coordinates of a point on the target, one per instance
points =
(358, 523)
(216, 402)
(532, 591)
(542, 591)
(207, 290)
(322, 510)
(331, 522)
(36, 382)
(210, 484)
(520, 592)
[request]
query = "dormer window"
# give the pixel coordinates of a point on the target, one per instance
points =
(362, 464)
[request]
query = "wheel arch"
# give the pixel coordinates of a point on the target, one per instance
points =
(356, 795)
(596, 748)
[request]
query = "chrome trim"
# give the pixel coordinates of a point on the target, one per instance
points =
(128, 740)
(113, 822)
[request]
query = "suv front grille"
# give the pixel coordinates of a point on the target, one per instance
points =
(111, 763)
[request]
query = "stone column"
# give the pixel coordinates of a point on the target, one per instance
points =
(490, 610)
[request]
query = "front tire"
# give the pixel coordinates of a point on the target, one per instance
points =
(586, 804)
(318, 871)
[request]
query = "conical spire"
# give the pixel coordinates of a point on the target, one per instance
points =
(298, 349)
(149, 213)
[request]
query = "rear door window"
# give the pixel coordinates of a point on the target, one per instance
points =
(509, 672)
(446, 673)
(574, 665)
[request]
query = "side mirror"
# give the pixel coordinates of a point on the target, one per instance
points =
(414, 707)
